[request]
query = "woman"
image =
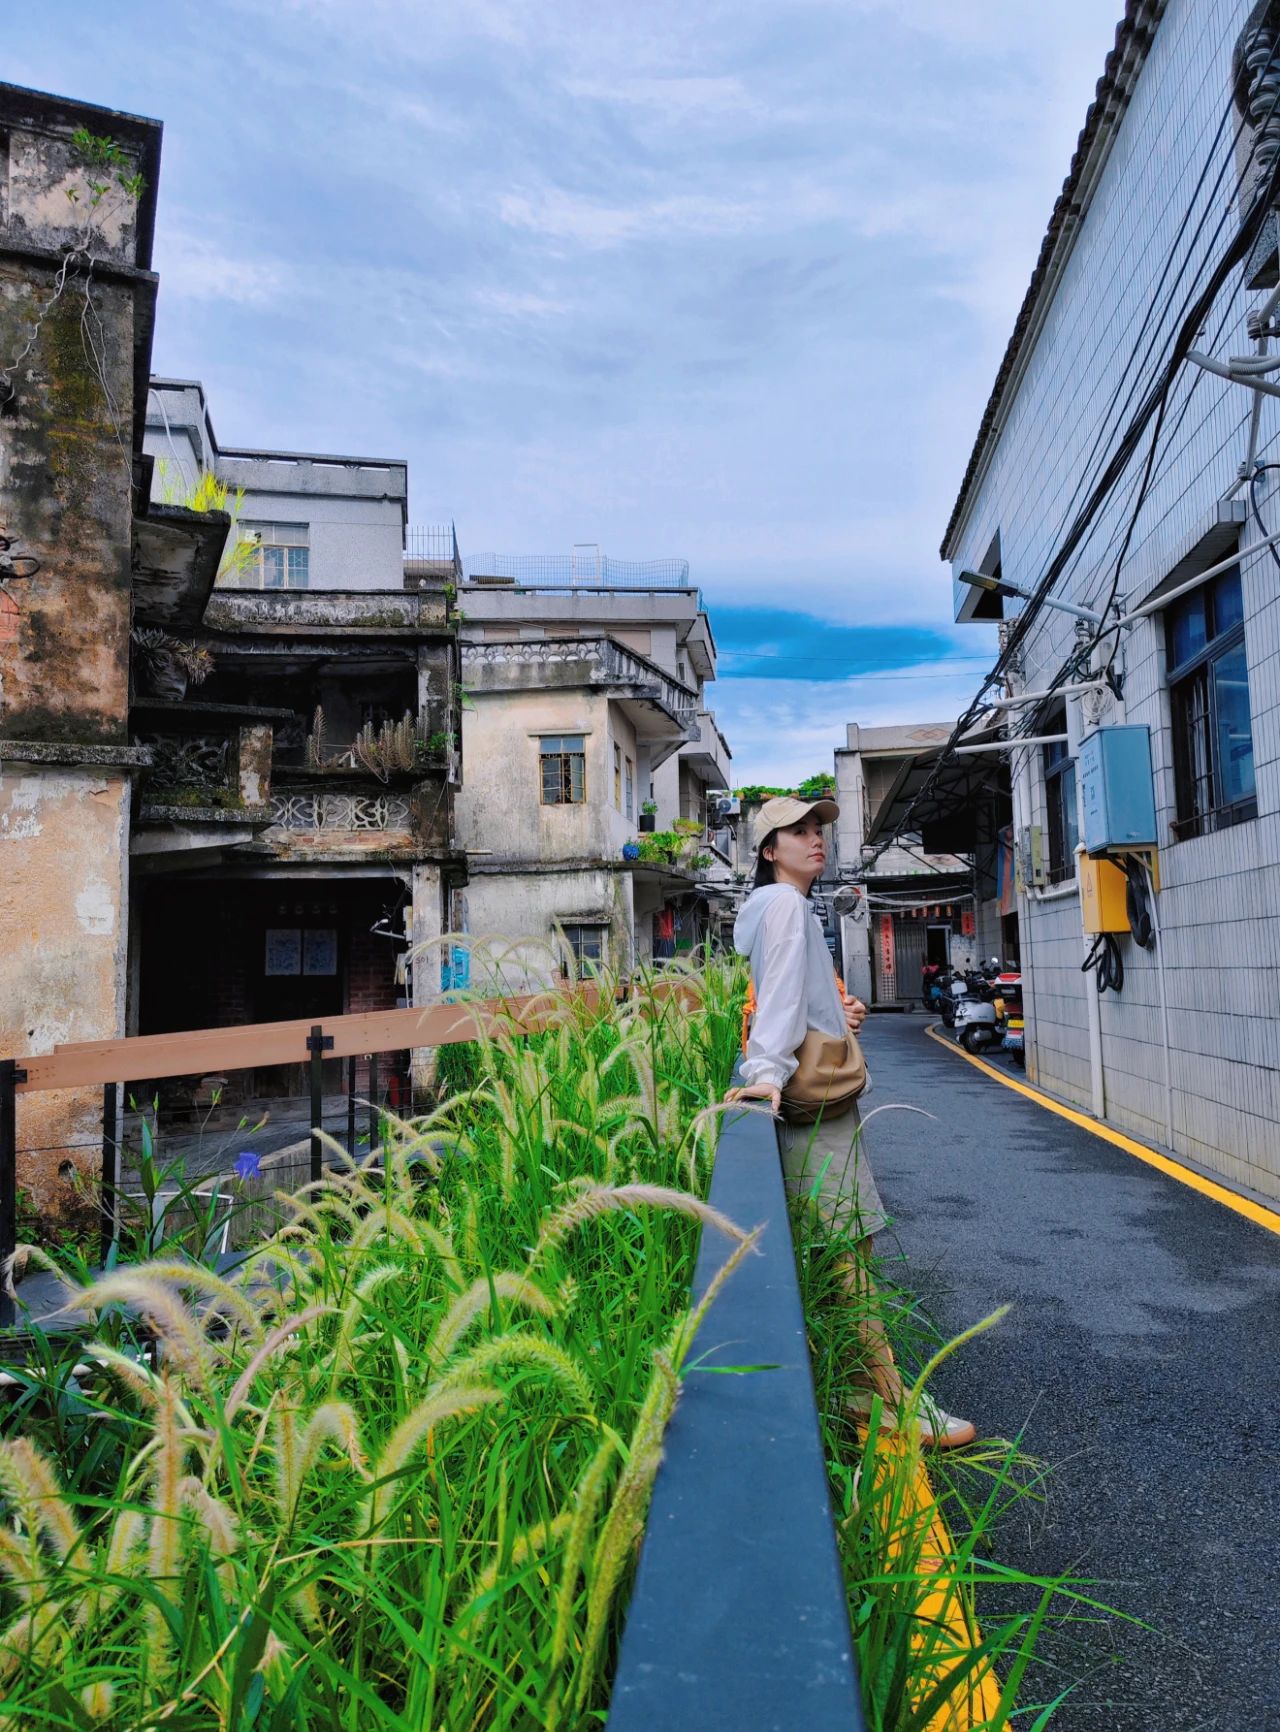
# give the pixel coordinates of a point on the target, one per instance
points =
(796, 990)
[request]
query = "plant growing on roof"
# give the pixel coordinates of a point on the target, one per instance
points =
(208, 493)
(315, 739)
(393, 746)
(102, 189)
(169, 664)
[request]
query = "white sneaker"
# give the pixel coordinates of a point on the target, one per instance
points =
(937, 1427)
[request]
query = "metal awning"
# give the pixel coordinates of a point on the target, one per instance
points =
(946, 817)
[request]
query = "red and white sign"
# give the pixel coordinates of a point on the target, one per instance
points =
(887, 957)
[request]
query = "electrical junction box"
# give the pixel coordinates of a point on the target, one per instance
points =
(1102, 894)
(1117, 789)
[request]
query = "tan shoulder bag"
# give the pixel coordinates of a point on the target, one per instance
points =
(829, 1076)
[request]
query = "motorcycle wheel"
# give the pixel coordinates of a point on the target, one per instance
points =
(948, 1018)
(973, 1039)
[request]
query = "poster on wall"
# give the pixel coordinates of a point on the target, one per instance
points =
(887, 968)
(283, 950)
(320, 950)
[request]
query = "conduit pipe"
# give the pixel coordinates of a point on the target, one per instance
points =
(1164, 1005)
(1162, 601)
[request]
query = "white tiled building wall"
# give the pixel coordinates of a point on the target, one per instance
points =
(1220, 905)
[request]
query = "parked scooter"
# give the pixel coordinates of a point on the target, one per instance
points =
(1008, 1004)
(932, 986)
(976, 1023)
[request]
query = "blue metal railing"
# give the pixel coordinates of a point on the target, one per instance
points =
(739, 1617)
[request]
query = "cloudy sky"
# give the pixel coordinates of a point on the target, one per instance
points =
(721, 279)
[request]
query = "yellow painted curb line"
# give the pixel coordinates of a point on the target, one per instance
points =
(940, 1606)
(1255, 1212)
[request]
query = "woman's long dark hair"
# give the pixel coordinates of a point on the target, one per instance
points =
(765, 873)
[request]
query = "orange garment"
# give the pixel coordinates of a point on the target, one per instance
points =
(749, 1009)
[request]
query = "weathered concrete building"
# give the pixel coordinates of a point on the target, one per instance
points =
(589, 702)
(76, 303)
(298, 814)
(227, 753)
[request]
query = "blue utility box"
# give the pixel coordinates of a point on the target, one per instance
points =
(1118, 789)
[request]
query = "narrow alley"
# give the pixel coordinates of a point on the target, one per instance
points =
(1137, 1362)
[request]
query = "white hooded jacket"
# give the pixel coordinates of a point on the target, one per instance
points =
(791, 969)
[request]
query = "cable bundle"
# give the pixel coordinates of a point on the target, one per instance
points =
(1106, 962)
(1137, 901)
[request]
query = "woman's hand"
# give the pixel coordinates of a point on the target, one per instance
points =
(855, 1012)
(759, 1091)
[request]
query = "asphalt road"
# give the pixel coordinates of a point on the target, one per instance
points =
(1139, 1361)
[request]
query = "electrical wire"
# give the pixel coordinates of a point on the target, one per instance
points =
(1259, 470)
(1194, 313)
(1107, 964)
(1138, 900)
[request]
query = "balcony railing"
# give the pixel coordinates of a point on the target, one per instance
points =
(347, 811)
(603, 661)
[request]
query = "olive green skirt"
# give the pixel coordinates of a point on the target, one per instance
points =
(831, 1157)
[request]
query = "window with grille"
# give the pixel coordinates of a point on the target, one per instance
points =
(587, 945)
(1060, 802)
(562, 763)
(1213, 767)
(283, 555)
(631, 789)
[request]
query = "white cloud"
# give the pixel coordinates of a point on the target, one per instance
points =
(199, 268)
(780, 731)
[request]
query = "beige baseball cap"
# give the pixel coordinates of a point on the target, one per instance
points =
(786, 809)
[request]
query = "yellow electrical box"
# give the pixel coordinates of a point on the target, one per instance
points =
(1102, 895)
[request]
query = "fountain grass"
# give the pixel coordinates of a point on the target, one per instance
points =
(394, 1471)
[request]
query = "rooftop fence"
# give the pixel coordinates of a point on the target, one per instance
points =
(584, 568)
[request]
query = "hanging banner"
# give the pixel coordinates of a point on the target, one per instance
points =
(887, 969)
(967, 925)
(1006, 889)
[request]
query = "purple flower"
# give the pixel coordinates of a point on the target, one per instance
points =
(247, 1164)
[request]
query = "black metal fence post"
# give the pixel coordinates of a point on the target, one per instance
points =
(373, 1101)
(351, 1106)
(10, 1076)
(318, 1043)
(110, 1165)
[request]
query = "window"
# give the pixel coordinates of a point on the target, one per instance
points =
(587, 945)
(1060, 800)
(1209, 702)
(283, 553)
(617, 777)
(563, 764)
(631, 789)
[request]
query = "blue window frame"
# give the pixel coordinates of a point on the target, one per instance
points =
(1213, 767)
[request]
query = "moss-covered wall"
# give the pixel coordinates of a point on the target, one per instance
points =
(65, 438)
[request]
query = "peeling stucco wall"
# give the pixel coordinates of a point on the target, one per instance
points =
(525, 906)
(64, 840)
(499, 807)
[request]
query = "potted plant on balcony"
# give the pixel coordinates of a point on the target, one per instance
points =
(648, 815)
(630, 850)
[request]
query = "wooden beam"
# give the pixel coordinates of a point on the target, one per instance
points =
(205, 1050)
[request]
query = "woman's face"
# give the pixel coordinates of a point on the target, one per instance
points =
(800, 852)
